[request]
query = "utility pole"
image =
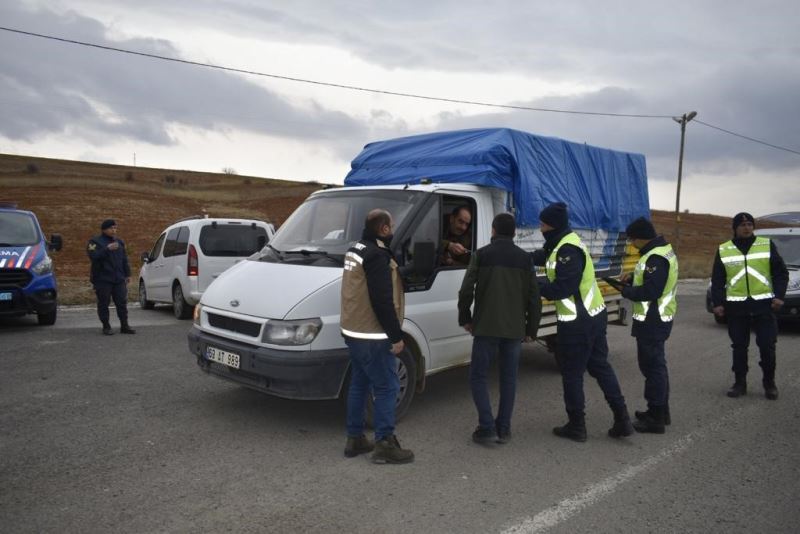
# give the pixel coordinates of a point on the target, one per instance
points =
(682, 120)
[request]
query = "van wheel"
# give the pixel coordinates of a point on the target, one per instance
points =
(47, 319)
(180, 307)
(143, 302)
(407, 373)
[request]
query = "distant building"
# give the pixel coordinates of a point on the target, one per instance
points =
(786, 217)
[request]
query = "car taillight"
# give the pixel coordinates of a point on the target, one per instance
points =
(192, 268)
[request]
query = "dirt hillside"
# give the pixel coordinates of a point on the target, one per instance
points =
(72, 197)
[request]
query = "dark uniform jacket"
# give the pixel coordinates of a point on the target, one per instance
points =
(654, 280)
(719, 279)
(465, 240)
(108, 266)
(373, 301)
(501, 279)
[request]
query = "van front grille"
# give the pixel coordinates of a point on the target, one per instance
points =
(239, 326)
(14, 278)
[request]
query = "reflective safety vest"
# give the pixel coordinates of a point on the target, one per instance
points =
(589, 292)
(667, 302)
(748, 275)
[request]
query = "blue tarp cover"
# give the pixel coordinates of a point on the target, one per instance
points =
(604, 189)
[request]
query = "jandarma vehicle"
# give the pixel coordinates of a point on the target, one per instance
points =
(787, 241)
(27, 280)
(191, 253)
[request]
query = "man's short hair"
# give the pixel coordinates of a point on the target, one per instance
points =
(376, 219)
(504, 224)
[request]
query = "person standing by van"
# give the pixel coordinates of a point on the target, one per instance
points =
(110, 275)
(502, 282)
(653, 292)
(373, 306)
(748, 284)
(581, 325)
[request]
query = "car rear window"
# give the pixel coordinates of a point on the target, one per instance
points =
(232, 239)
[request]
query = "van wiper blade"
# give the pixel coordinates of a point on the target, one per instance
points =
(276, 251)
(6, 244)
(316, 252)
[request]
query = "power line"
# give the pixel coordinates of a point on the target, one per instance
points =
(382, 91)
(748, 138)
(331, 84)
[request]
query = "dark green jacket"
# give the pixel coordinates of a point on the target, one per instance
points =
(501, 280)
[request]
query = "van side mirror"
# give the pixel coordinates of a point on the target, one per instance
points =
(424, 258)
(56, 242)
(145, 257)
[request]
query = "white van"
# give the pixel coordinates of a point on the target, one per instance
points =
(191, 253)
(272, 322)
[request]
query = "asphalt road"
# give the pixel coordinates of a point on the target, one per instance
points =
(125, 434)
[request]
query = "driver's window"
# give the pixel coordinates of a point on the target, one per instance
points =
(157, 247)
(458, 232)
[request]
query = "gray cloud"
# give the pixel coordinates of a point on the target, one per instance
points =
(60, 88)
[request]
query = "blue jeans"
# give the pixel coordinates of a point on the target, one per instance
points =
(653, 365)
(373, 369)
(483, 350)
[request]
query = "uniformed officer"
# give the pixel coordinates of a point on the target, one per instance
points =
(653, 292)
(110, 275)
(581, 326)
(748, 285)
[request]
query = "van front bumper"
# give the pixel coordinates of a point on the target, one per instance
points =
(21, 303)
(304, 375)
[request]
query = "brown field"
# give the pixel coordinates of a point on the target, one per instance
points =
(73, 197)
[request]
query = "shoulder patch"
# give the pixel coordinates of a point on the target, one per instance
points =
(92, 246)
(564, 259)
(651, 269)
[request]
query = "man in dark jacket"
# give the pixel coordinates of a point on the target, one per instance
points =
(653, 292)
(581, 326)
(372, 315)
(748, 284)
(110, 275)
(501, 281)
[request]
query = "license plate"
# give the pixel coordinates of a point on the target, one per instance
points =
(222, 356)
(6, 296)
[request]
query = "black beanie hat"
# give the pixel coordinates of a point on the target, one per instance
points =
(555, 215)
(108, 223)
(739, 218)
(641, 228)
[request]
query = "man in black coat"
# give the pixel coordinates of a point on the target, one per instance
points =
(110, 275)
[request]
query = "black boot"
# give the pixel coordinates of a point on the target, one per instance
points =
(771, 390)
(107, 330)
(738, 388)
(652, 422)
(642, 415)
(575, 429)
(126, 329)
(622, 423)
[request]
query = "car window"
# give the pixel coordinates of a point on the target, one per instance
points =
(232, 240)
(157, 247)
(169, 246)
(788, 247)
(181, 242)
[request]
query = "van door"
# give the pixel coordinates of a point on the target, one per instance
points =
(432, 304)
(223, 244)
(151, 269)
(162, 281)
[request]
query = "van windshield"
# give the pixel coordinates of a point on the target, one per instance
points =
(328, 223)
(788, 247)
(17, 230)
(231, 240)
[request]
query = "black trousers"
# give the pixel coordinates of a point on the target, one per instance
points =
(587, 353)
(653, 365)
(766, 328)
(105, 293)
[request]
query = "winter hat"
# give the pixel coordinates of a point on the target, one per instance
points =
(739, 218)
(555, 215)
(108, 223)
(641, 228)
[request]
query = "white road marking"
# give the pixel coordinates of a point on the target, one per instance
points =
(570, 506)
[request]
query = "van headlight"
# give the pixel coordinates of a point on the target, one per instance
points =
(198, 309)
(43, 267)
(299, 332)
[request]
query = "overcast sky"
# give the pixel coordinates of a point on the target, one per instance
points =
(736, 64)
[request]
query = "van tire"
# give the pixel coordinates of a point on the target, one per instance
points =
(143, 302)
(407, 372)
(47, 319)
(180, 307)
